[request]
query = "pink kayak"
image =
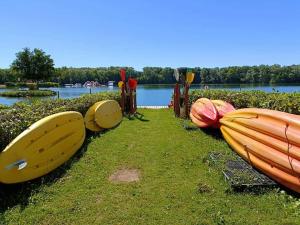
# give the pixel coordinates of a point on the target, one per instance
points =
(203, 113)
(222, 109)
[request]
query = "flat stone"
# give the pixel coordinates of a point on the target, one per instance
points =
(125, 176)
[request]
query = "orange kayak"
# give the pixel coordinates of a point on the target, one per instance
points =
(203, 113)
(222, 108)
(269, 140)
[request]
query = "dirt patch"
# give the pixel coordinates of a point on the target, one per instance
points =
(125, 176)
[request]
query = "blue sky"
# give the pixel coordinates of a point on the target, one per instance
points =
(163, 33)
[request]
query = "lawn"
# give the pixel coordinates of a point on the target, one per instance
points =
(177, 184)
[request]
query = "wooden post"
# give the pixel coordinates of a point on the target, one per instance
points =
(175, 100)
(177, 90)
(186, 100)
(130, 101)
(135, 104)
(123, 99)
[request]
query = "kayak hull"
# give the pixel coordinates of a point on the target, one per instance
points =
(203, 113)
(108, 114)
(269, 140)
(222, 108)
(43, 147)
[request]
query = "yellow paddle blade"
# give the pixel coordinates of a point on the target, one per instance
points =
(190, 77)
(120, 84)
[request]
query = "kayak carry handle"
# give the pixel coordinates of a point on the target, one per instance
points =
(20, 164)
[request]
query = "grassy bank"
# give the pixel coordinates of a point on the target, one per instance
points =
(30, 85)
(177, 185)
(28, 93)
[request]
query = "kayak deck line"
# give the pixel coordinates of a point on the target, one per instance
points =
(152, 107)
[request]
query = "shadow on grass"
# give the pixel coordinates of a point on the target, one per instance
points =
(214, 132)
(278, 188)
(138, 116)
(218, 161)
(20, 194)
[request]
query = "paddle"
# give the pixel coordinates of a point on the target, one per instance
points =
(132, 83)
(123, 86)
(189, 79)
(176, 93)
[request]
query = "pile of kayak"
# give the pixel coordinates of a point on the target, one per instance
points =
(207, 113)
(269, 140)
(51, 141)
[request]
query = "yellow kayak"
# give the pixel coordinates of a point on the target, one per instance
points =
(89, 118)
(41, 148)
(108, 114)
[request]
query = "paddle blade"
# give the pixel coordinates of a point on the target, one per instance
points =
(123, 74)
(190, 77)
(120, 84)
(176, 74)
(132, 83)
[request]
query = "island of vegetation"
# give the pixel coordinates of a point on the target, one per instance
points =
(28, 93)
(32, 66)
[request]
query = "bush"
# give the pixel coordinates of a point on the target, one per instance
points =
(29, 85)
(30, 93)
(10, 84)
(3, 107)
(48, 84)
(286, 102)
(32, 86)
(20, 116)
(21, 84)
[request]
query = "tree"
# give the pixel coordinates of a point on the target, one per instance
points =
(33, 65)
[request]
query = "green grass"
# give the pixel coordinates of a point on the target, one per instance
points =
(177, 185)
(29, 93)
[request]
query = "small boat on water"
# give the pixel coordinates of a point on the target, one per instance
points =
(89, 84)
(110, 83)
(77, 85)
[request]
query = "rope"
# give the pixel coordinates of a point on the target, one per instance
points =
(288, 151)
(249, 159)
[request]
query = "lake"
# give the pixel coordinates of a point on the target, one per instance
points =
(154, 95)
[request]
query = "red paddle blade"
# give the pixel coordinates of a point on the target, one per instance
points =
(123, 74)
(132, 83)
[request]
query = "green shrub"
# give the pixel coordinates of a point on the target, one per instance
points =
(21, 84)
(10, 84)
(3, 107)
(20, 116)
(48, 84)
(29, 85)
(29, 93)
(286, 102)
(32, 86)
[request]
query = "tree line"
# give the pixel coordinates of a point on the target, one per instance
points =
(157, 75)
(37, 66)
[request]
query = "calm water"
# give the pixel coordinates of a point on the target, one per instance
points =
(152, 94)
